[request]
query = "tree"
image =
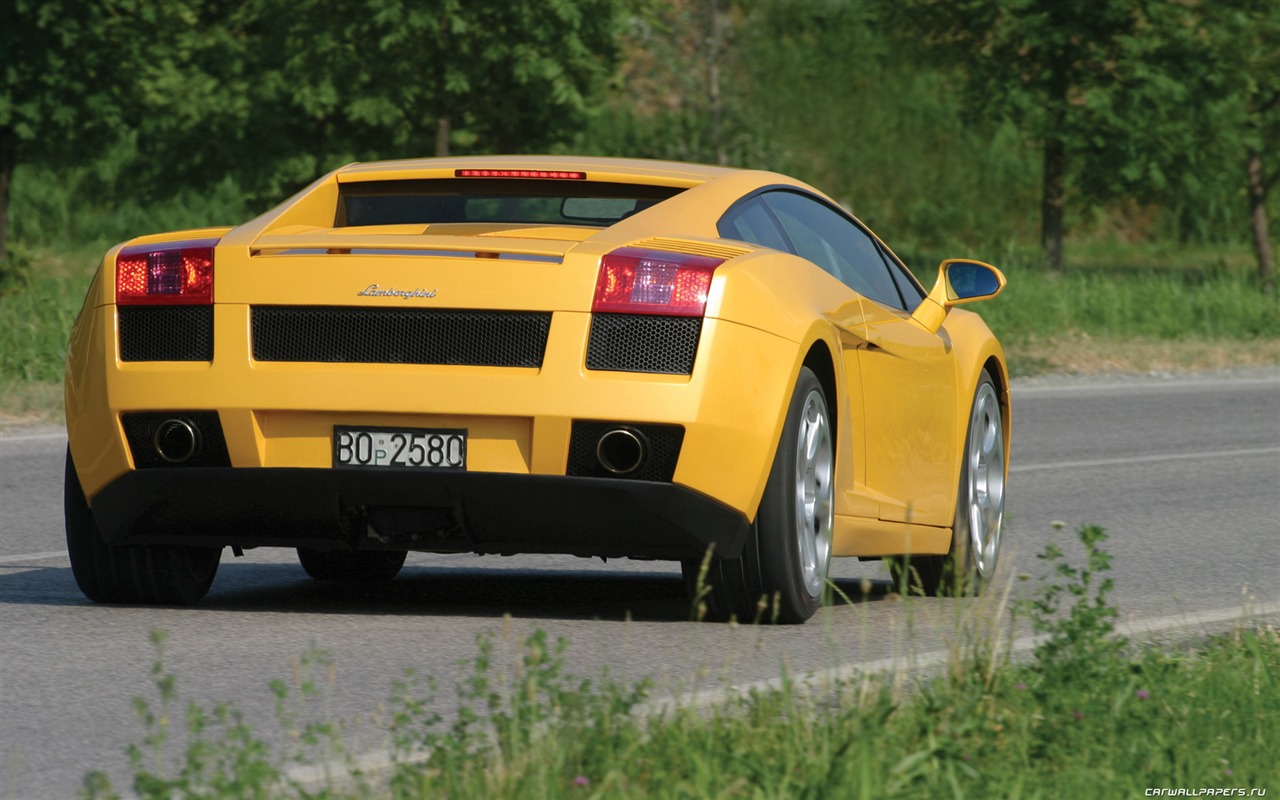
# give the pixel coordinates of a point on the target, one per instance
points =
(1241, 40)
(269, 93)
(1129, 98)
(70, 80)
(1197, 96)
(680, 95)
(1044, 64)
(399, 77)
(287, 90)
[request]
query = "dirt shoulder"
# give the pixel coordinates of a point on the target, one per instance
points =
(1081, 354)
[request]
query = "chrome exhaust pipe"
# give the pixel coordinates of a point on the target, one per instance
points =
(177, 440)
(622, 451)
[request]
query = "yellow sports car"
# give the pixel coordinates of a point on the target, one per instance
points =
(593, 356)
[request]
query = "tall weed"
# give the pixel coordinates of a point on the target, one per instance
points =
(33, 328)
(82, 208)
(1177, 306)
(1084, 718)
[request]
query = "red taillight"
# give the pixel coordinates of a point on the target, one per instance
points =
(635, 281)
(546, 174)
(171, 273)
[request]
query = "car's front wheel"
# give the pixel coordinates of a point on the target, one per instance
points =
(782, 573)
(979, 520)
(351, 566)
(159, 574)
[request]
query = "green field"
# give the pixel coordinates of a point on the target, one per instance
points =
(1099, 316)
(1159, 270)
(1154, 304)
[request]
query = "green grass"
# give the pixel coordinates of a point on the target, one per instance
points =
(1112, 290)
(79, 211)
(1161, 305)
(1118, 290)
(33, 329)
(1038, 313)
(1089, 716)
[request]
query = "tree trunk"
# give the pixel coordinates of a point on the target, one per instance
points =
(442, 136)
(1052, 227)
(1258, 218)
(6, 173)
(713, 83)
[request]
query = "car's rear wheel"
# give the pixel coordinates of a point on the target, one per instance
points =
(782, 573)
(159, 574)
(979, 520)
(352, 566)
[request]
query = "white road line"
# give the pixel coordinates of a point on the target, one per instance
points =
(33, 557)
(848, 672)
(32, 437)
(1107, 462)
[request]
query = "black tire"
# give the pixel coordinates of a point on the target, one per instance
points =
(143, 574)
(782, 573)
(975, 539)
(352, 566)
(922, 575)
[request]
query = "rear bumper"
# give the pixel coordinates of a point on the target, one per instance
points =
(430, 511)
(281, 416)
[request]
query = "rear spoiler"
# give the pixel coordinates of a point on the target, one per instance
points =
(327, 243)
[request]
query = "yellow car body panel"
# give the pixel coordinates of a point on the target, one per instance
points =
(900, 382)
(720, 406)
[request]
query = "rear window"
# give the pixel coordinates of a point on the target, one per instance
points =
(530, 201)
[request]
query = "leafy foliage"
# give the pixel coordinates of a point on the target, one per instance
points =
(1082, 717)
(366, 79)
(182, 95)
(929, 119)
(1081, 647)
(1143, 99)
(73, 72)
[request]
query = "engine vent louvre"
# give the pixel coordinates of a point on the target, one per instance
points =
(166, 333)
(692, 248)
(643, 343)
(399, 336)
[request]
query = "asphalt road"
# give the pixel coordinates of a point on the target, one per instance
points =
(1183, 473)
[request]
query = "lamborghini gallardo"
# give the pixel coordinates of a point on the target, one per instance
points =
(589, 356)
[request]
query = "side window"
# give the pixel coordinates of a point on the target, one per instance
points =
(835, 243)
(752, 222)
(910, 288)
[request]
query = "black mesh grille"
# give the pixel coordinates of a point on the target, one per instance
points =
(166, 333)
(399, 336)
(662, 451)
(643, 343)
(140, 431)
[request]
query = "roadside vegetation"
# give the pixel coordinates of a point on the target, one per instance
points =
(1089, 714)
(1152, 252)
(1124, 194)
(1116, 307)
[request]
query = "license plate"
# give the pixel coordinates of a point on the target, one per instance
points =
(428, 448)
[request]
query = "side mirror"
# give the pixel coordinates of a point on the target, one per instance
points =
(963, 281)
(960, 280)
